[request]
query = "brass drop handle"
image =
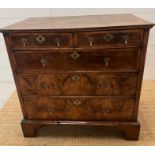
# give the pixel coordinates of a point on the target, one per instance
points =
(75, 78)
(125, 38)
(40, 39)
(44, 62)
(77, 102)
(123, 79)
(106, 61)
(45, 85)
(105, 112)
(104, 85)
(57, 41)
(75, 55)
(90, 40)
(51, 111)
(24, 41)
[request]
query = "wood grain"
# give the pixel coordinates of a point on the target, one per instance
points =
(79, 22)
(78, 108)
(53, 82)
(60, 133)
(127, 59)
(79, 84)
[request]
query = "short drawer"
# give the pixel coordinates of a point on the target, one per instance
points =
(79, 84)
(110, 39)
(41, 40)
(114, 59)
(79, 108)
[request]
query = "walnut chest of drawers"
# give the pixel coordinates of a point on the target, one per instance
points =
(84, 70)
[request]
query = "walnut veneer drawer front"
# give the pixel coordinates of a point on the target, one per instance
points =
(41, 40)
(79, 108)
(74, 84)
(109, 38)
(114, 59)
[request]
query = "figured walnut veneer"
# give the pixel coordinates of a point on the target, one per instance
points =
(84, 70)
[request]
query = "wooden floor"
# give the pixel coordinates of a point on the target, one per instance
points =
(11, 133)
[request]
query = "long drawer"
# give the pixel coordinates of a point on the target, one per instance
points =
(79, 108)
(78, 84)
(111, 59)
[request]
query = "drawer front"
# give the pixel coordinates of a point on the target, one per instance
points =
(79, 60)
(79, 84)
(79, 109)
(41, 40)
(109, 38)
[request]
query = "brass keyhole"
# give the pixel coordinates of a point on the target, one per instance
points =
(40, 39)
(77, 102)
(75, 55)
(108, 37)
(75, 78)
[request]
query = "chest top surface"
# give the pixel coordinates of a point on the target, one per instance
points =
(79, 22)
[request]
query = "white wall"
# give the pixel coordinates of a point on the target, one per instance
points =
(9, 16)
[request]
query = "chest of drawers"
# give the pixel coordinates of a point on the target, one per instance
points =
(79, 70)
